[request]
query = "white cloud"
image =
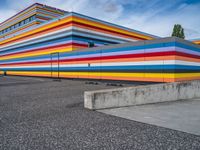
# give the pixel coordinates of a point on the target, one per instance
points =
(6, 13)
(156, 22)
(154, 18)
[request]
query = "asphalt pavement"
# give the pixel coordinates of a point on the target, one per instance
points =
(39, 113)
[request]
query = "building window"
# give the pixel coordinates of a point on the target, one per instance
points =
(91, 44)
(26, 21)
(33, 17)
(18, 24)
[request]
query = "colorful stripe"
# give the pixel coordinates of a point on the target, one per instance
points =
(165, 60)
(59, 47)
(41, 14)
(197, 42)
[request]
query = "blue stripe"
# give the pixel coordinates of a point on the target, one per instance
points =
(120, 68)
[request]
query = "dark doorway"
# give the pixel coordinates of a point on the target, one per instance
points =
(55, 66)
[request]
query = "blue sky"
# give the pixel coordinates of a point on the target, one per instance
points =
(152, 16)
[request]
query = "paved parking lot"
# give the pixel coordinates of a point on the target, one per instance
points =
(182, 115)
(38, 113)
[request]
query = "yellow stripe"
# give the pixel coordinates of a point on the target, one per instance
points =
(147, 75)
(19, 17)
(99, 74)
(19, 29)
(196, 42)
(46, 15)
(34, 13)
(68, 19)
(109, 27)
(56, 23)
(52, 10)
(186, 75)
(26, 18)
(37, 53)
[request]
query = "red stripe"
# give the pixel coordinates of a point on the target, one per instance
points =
(44, 18)
(45, 48)
(20, 12)
(101, 58)
(122, 56)
(83, 24)
(72, 23)
(36, 33)
(169, 53)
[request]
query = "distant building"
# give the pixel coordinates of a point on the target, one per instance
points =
(196, 41)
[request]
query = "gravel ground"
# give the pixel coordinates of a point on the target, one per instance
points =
(38, 113)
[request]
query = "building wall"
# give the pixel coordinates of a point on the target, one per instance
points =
(161, 60)
(35, 51)
(71, 32)
(29, 17)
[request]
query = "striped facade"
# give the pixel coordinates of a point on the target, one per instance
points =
(71, 32)
(28, 18)
(161, 60)
(59, 48)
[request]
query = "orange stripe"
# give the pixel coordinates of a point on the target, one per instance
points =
(52, 10)
(35, 52)
(41, 33)
(18, 16)
(38, 31)
(114, 28)
(187, 79)
(104, 61)
(22, 74)
(33, 8)
(187, 59)
(142, 78)
(19, 29)
(103, 31)
(35, 31)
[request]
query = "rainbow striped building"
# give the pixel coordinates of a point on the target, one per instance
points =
(55, 44)
(28, 18)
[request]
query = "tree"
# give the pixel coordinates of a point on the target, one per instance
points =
(178, 31)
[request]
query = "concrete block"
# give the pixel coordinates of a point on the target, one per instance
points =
(140, 95)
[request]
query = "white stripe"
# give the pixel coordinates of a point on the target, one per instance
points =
(41, 36)
(187, 63)
(134, 63)
(63, 30)
(167, 62)
(104, 34)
